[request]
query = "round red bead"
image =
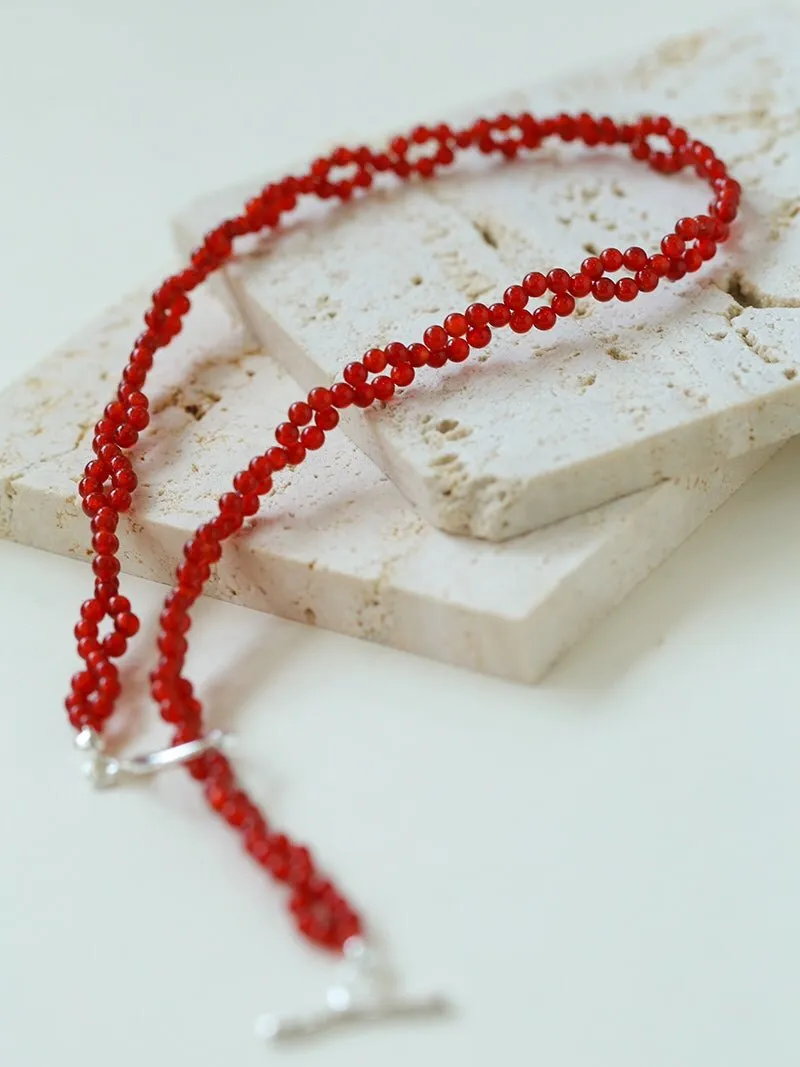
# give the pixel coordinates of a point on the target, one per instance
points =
(535, 284)
(544, 318)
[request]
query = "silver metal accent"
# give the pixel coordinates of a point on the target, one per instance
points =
(363, 995)
(103, 770)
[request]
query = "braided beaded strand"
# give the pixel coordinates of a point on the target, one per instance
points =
(320, 912)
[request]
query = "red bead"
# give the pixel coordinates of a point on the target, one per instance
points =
(328, 419)
(374, 360)
(687, 228)
(611, 259)
(515, 298)
(659, 264)
(457, 349)
(115, 645)
(418, 355)
(646, 280)
(364, 396)
(720, 231)
(296, 454)
(276, 457)
(383, 388)
(725, 212)
(312, 438)
(692, 260)
(137, 418)
(245, 482)
(319, 399)
(563, 304)
(499, 315)
(558, 280)
(626, 289)
(105, 543)
(580, 285)
(521, 321)
(479, 336)
(673, 246)
(544, 318)
(603, 289)
(300, 413)
(593, 267)
(403, 374)
(677, 269)
(396, 353)
(343, 395)
(706, 247)
(230, 504)
(92, 611)
(634, 258)
(477, 315)
(105, 567)
(127, 624)
(125, 479)
(286, 434)
(126, 436)
(435, 338)
(355, 374)
(534, 284)
(455, 325)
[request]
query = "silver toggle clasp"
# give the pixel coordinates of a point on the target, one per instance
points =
(364, 995)
(103, 770)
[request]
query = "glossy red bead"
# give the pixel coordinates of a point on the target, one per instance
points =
(646, 280)
(457, 350)
(563, 304)
(477, 315)
(355, 374)
(300, 414)
(327, 419)
(343, 395)
(435, 338)
(287, 434)
(312, 438)
(603, 290)
(673, 246)
(535, 284)
(580, 285)
(320, 398)
(626, 290)
(364, 395)
(478, 336)
(455, 325)
(418, 355)
(521, 321)
(499, 315)
(611, 259)
(558, 280)
(634, 258)
(515, 298)
(544, 318)
(396, 353)
(593, 267)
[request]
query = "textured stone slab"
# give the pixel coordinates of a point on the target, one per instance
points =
(612, 401)
(337, 545)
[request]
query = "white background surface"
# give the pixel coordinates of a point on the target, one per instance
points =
(603, 872)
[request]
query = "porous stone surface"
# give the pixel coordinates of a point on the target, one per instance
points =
(538, 428)
(336, 544)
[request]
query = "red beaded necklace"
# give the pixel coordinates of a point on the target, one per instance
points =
(320, 912)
